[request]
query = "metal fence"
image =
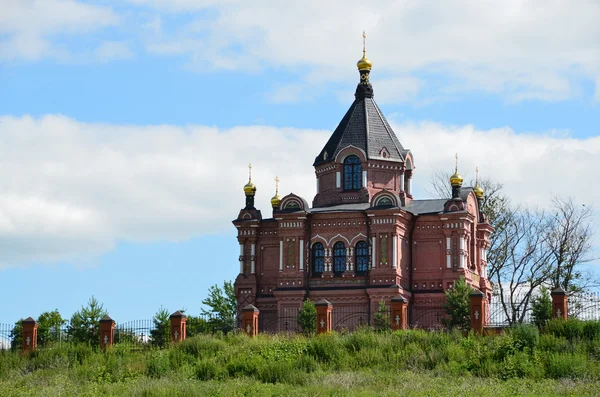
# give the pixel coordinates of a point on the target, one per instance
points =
(134, 334)
(504, 310)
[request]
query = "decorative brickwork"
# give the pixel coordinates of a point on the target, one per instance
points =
(107, 332)
(30, 329)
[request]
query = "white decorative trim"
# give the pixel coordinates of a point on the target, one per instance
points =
(349, 154)
(301, 254)
(280, 255)
(253, 261)
(338, 179)
(241, 258)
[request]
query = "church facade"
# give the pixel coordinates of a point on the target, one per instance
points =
(365, 238)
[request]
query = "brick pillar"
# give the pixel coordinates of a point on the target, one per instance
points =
(107, 332)
(178, 326)
(250, 320)
(559, 303)
(399, 312)
(30, 328)
(324, 316)
(477, 311)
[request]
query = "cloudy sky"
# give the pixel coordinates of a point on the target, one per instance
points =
(126, 126)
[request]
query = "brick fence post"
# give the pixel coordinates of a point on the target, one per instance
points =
(324, 316)
(107, 332)
(477, 311)
(250, 320)
(559, 303)
(178, 326)
(30, 328)
(399, 312)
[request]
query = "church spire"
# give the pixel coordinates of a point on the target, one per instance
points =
(364, 89)
(250, 189)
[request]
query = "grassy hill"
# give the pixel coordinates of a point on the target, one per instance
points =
(565, 360)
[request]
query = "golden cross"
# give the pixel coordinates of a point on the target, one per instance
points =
(456, 168)
(476, 176)
(364, 43)
(249, 172)
(276, 185)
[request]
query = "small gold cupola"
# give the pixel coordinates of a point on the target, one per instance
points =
(478, 190)
(364, 63)
(456, 180)
(276, 199)
(250, 188)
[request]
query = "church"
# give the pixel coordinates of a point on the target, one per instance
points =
(365, 238)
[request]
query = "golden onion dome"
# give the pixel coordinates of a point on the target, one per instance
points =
(249, 188)
(456, 179)
(275, 201)
(478, 191)
(364, 63)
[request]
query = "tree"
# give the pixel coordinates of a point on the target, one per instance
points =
(569, 244)
(457, 306)
(531, 248)
(161, 335)
(307, 317)
(16, 336)
(541, 308)
(223, 306)
(381, 319)
(50, 327)
(85, 323)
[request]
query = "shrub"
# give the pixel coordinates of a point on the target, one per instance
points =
(307, 317)
(562, 365)
(161, 334)
(381, 319)
(525, 336)
(591, 329)
(541, 308)
(457, 306)
(157, 364)
(207, 369)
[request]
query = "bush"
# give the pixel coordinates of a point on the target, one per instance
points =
(158, 364)
(563, 365)
(207, 369)
(525, 336)
(541, 308)
(591, 330)
(457, 306)
(381, 319)
(307, 317)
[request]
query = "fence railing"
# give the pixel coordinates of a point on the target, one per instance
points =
(518, 309)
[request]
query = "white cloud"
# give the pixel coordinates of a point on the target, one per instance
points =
(523, 50)
(29, 26)
(112, 51)
(70, 190)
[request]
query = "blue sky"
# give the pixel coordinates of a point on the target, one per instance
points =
(126, 127)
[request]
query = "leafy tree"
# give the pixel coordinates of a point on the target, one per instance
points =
(531, 248)
(16, 336)
(541, 308)
(85, 323)
(49, 327)
(307, 317)
(381, 319)
(457, 306)
(197, 325)
(161, 335)
(222, 305)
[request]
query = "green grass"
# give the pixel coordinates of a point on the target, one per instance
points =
(521, 362)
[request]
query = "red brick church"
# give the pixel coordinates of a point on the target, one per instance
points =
(365, 238)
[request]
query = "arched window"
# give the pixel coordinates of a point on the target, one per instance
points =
(362, 257)
(352, 173)
(339, 257)
(385, 200)
(318, 258)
